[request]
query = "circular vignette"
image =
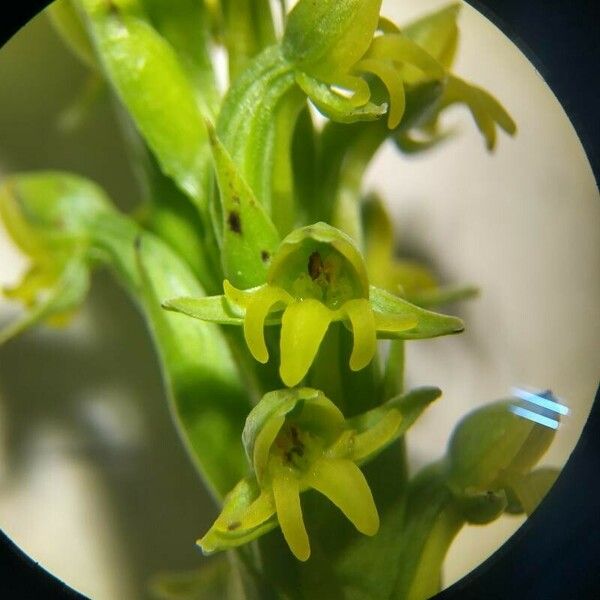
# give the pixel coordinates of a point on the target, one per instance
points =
(553, 554)
(22, 577)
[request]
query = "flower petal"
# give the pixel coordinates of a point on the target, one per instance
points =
(393, 82)
(259, 511)
(345, 485)
(361, 317)
(303, 327)
(286, 491)
(262, 444)
(254, 321)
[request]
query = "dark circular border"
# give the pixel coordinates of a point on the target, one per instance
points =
(555, 555)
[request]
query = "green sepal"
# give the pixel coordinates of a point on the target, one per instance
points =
(228, 531)
(436, 33)
(249, 236)
(154, 87)
(215, 309)
(410, 406)
(334, 106)
(318, 413)
(327, 38)
(429, 324)
(526, 492)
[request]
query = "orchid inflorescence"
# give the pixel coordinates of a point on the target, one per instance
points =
(255, 224)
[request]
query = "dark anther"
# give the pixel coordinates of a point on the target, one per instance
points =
(294, 433)
(315, 265)
(234, 221)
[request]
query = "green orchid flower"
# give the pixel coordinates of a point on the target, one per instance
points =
(316, 277)
(297, 440)
(333, 47)
(57, 280)
(493, 451)
(409, 279)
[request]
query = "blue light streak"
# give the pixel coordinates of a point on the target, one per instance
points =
(556, 407)
(528, 414)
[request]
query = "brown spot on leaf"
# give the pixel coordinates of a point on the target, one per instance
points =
(265, 255)
(234, 222)
(234, 525)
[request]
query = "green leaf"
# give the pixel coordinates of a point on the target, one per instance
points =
(55, 209)
(154, 87)
(429, 324)
(185, 24)
(249, 236)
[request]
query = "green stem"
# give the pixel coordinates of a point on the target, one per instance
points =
(393, 378)
(431, 523)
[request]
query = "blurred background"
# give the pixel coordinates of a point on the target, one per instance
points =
(94, 483)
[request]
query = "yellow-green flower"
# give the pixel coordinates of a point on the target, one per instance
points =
(407, 278)
(316, 277)
(333, 47)
(339, 50)
(298, 440)
(58, 276)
